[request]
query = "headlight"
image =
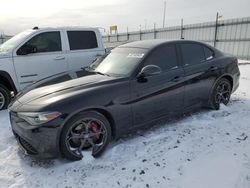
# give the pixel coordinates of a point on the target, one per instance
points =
(37, 118)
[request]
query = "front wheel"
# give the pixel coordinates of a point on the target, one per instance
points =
(86, 130)
(221, 93)
(5, 97)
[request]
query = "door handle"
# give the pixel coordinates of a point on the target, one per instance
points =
(213, 68)
(176, 79)
(59, 58)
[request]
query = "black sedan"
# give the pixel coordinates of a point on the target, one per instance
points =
(135, 85)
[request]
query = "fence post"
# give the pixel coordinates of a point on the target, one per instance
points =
(127, 35)
(1, 37)
(216, 28)
(182, 28)
(140, 33)
(154, 30)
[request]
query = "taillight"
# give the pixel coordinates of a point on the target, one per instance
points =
(236, 61)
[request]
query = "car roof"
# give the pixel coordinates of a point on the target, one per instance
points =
(149, 44)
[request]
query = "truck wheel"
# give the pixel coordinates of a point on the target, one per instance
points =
(4, 97)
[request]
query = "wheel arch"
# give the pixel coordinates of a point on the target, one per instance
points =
(226, 76)
(230, 79)
(100, 110)
(6, 80)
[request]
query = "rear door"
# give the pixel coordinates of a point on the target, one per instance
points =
(159, 95)
(49, 59)
(200, 72)
(84, 46)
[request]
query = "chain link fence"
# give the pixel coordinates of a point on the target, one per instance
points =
(230, 36)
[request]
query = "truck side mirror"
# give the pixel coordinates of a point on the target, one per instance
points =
(26, 49)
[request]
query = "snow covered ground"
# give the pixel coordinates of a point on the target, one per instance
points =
(208, 149)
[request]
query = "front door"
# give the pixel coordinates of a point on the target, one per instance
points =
(46, 59)
(159, 95)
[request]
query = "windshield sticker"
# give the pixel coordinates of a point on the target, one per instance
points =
(135, 55)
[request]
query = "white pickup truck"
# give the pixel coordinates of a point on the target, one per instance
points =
(38, 53)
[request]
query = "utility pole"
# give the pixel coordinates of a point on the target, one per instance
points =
(216, 28)
(164, 14)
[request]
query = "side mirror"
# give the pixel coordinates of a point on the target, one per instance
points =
(149, 70)
(26, 49)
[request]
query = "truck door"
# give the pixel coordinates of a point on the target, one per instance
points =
(40, 57)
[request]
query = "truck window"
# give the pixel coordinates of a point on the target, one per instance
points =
(81, 40)
(45, 42)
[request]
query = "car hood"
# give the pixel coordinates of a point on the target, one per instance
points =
(55, 91)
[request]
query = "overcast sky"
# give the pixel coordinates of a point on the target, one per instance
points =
(17, 15)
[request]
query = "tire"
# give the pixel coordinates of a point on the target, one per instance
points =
(81, 132)
(5, 97)
(221, 93)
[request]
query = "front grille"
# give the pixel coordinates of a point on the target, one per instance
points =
(28, 148)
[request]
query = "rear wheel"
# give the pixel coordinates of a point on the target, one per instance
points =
(221, 93)
(86, 130)
(5, 97)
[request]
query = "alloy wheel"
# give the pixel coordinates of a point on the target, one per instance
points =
(86, 133)
(223, 92)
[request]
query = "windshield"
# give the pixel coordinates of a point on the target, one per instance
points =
(14, 41)
(120, 62)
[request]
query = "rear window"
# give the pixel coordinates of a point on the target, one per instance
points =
(209, 54)
(192, 54)
(81, 40)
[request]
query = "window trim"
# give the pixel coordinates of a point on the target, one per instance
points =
(39, 53)
(213, 53)
(178, 65)
(86, 49)
(182, 58)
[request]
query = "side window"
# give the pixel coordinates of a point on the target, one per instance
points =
(81, 40)
(209, 54)
(164, 57)
(45, 42)
(192, 54)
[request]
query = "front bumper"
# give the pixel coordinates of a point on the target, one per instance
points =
(40, 142)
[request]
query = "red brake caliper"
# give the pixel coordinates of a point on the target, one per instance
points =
(94, 128)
